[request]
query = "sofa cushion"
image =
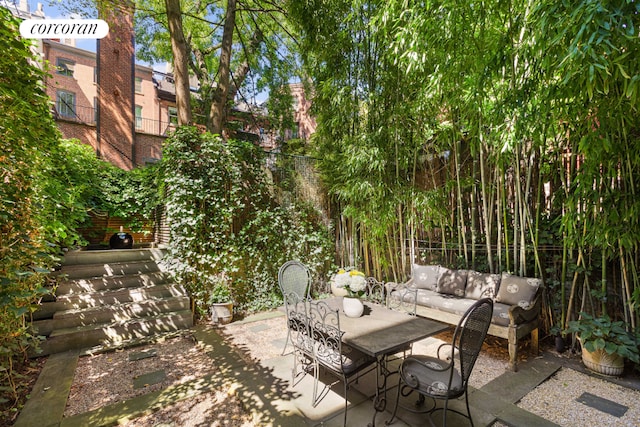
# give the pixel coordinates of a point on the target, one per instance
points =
(481, 285)
(452, 282)
(426, 276)
(500, 314)
(444, 302)
(515, 290)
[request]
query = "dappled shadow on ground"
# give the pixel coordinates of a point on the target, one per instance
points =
(258, 387)
(231, 392)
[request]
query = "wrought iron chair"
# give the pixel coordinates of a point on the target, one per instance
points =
(298, 329)
(337, 359)
(401, 297)
(294, 277)
(445, 379)
(375, 291)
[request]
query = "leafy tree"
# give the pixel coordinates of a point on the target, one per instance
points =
(234, 48)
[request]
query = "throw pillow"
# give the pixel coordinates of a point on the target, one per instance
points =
(515, 290)
(452, 282)
(426, 276)
(482, 285)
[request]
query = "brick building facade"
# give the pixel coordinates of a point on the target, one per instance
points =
(125, 110)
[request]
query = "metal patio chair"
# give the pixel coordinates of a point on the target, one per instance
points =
(445, 379)
(401, 297)
(299, 331)
(338, 359)
(294, 277)
(375, 291)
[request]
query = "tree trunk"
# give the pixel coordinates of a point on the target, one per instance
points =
(218, 109)
(180, 61)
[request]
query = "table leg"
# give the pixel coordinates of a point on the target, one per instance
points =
(380, 399)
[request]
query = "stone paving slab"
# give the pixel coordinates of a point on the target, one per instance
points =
(513, 386)
(148, 379)
(152, 352)
(49, 394)
(603, 405)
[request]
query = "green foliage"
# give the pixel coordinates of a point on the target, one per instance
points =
(130, 195)
(263, 57)
(511, 127)
(225, 226)
(29, 139)
(48, 187)
(220, 292)
(601, 333)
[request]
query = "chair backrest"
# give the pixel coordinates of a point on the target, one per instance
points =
(375, 291)
(326, 334)
(298, 322)
(294, 276)
(401, 297)
(470, 334)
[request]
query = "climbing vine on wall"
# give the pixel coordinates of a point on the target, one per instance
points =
(226, 226)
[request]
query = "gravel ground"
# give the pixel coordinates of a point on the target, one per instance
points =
(108, 378)
(555, 400)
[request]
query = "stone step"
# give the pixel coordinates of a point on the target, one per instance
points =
(112, 256)
(97, 299)
(81, 286)
(114, 334)
(87, 271)
(110, 313)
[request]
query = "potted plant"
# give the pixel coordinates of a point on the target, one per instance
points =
(220, 303)
(605, 343)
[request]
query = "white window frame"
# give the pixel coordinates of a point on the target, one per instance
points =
(138, 115)
(66, 107)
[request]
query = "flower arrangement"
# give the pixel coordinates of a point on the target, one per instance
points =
(352, 281)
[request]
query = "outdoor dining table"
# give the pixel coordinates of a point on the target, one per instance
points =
(381, 332)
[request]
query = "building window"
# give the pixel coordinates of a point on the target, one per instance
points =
(138, 117)
(66, 103)
(138, 84)
(173, 115)
(95, 109)
(65, 67)
(295, 131)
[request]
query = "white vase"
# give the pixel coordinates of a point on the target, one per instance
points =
(353, 307)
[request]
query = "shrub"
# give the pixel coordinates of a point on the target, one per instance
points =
(225, 223)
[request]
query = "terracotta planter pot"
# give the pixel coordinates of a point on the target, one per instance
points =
(602, 362)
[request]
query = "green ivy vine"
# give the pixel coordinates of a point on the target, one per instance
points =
(226, 228)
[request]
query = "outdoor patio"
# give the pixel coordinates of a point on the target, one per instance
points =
(249, 365)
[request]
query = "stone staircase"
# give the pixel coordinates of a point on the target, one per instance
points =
(110, 299)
